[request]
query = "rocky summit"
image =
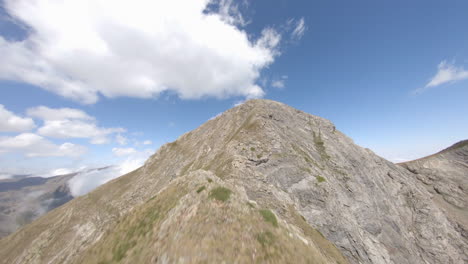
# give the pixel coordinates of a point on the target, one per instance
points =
(261, 183)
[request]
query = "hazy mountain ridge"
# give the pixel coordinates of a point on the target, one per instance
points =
(273, 157)
(23, 199)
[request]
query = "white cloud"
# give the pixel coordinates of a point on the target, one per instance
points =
(32, 145)
(59, 171)
(299, 30)
(447, 73)
(131, 164)
(123, 151)
(121, 140)
(229, 12)
(71, 123)
(77, 129)
(237, 103)
(9, 122)
(87, 180)
(84, 49)
(278, 84)
(4, 176)
(46, 113)
(147, 142)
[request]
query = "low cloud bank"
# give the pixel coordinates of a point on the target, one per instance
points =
(87, 180)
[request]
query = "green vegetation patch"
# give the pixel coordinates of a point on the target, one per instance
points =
(269, 216)
(252, 149)
(210, 180)
(201, 189)
(320, 178)
(220, 193)
(306, 156)
(320, 146)
(265, 238)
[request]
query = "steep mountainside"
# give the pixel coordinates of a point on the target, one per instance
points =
(23, 199)
(445, 175)
(260, 183)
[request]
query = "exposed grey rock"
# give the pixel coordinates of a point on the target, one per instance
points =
(445, 176)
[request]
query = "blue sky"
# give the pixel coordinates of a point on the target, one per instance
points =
(392, 75)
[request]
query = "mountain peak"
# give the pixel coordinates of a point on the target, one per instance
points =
(263, 182)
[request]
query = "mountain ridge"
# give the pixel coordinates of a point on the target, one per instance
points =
(445, 176)
(282, 160)
(455, 146)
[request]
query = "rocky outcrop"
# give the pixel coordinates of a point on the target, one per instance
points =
(445, 176)
(291, 174)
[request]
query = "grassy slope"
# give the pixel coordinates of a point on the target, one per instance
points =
(181, 224)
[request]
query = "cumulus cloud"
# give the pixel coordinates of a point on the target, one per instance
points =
(84, 49)
(87, 180)
(71, 123)
(32, 145)
(147, 142)
(123, 151)
(9, 122)
(447, 73)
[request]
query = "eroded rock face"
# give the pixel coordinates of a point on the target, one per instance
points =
(275, 157)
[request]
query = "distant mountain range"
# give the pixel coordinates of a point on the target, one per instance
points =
(261, 183)
(24, 198)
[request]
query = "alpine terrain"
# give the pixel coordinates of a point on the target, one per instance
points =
(262, 183)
